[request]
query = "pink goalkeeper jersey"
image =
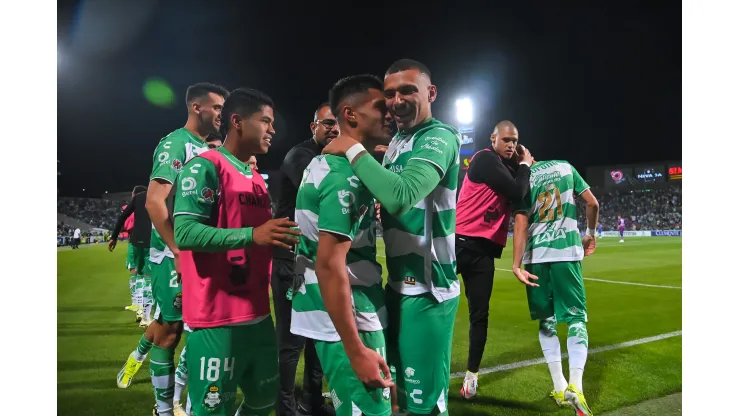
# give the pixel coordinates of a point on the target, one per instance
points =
(228, 288)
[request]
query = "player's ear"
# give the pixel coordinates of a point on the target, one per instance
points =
(432, 93)
(196, 107)
(312, 126)
(236, 121)
(349, 115)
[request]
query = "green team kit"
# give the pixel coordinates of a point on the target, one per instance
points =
(554, 250)
(172, 152)
(332, 199)
(420, 255)
(243, 354)
(139, 281)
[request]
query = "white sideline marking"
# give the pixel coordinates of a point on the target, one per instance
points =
(617, 282)
(529, 363)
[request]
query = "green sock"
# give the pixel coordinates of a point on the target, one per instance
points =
(162, 369)
(132, 287)
(142, 349)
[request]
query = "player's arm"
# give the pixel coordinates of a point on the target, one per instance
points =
(164, 172)
(193, 225)
(119, 224)
(521, 233)
(335, 239)
(592, 211)
(295, 163)
(430, 159)
(488, 168)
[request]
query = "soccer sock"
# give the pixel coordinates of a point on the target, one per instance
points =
(162, 369)
(551, 350)
(181, 375)
(142, 349)
(139, 291)
(577, 352)
(188, 407)
(147, 297)
(132, 287)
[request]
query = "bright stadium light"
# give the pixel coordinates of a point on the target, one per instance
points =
(464, 110)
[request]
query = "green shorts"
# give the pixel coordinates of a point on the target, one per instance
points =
(167, 291)
(561, 292)
(220, 359)
(136, 258)
(421, 350)
(348, 393)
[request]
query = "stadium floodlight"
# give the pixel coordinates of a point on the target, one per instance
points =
(464, 110)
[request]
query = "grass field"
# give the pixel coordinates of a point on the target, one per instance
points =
(95, 335)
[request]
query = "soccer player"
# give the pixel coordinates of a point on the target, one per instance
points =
(138, 251)
(224, 228)
(620, 227)
(416, 187)
(214, 141)
(490, 185)
(135, 306)
(324, 129)
(340, 302)
(600, 230)
(139, 239)
(204, 102)
(548, 243)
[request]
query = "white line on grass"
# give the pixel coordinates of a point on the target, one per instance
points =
(618, 282)
(537, 361)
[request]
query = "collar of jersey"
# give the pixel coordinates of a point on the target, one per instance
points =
(234, 160)
(417, 127)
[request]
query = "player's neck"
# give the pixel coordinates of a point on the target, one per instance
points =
(356, 136)
(232, 145)
(194, 127)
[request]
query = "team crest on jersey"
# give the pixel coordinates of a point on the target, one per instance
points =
(178, 301)
(177, 165)
(207, 194)
(213, 398)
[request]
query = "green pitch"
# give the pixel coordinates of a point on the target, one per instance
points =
(95, 335)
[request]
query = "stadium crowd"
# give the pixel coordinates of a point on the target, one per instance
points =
(648, 209)
(100, 213)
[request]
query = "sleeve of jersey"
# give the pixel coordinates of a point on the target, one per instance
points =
(580, 186)
(397, 192)
(168, 159)
(337, 198)
(194, 200)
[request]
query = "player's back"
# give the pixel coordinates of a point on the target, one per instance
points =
(332, 199)
(551, 208)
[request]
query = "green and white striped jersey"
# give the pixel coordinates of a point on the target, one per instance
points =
(172, 152)
(420, 244)
(551, 206)
(332, 199)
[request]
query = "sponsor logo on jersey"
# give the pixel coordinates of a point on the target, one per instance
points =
(346, 199)
(207, 194)
(409, 280)
(395, 168)
(549, 236)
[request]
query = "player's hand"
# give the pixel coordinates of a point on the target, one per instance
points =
(368, 365)
(111, 245)
(589, 245)
(339, 146)
(523, 155)
(525, 276)
(277, 233)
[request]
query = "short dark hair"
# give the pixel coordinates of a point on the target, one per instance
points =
(406, 64)
(349, 86)
(202, 89)
(244, 101)
(322, 105)
(139, 189)
(213, 137)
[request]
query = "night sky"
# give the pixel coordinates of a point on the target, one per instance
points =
(594, 86)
